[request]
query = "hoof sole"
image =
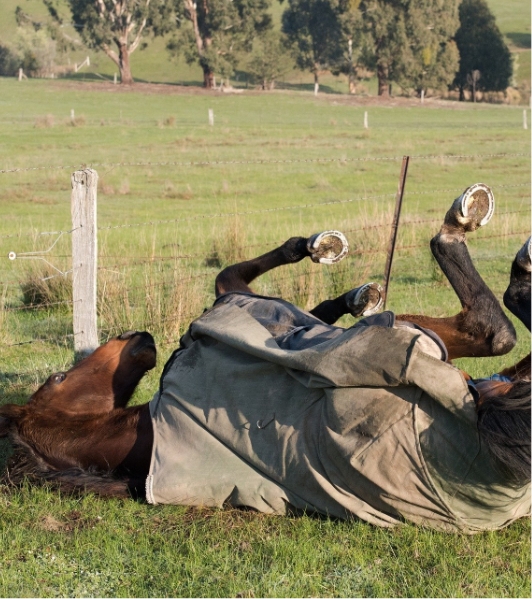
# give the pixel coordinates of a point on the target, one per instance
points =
(328, 247)
(476, 205)
(365, 300)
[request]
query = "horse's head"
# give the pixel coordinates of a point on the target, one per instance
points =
(100, 383)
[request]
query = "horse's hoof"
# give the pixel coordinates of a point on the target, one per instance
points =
(328, 247)
(523, 255)
(476, 206)
(364, 300)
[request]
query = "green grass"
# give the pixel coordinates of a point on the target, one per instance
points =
(216, 213)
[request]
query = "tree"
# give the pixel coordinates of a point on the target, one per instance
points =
(313, 30)
(218, 30)
(410, 42)
(116, 26)
(352, 43)
(36, 52)
(431, 60)
(482, 48)
(269, 60)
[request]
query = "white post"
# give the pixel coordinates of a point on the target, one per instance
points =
(72, 116)
(525, 124)
(114, 78)
(422, 96)
(84, 259)
(316, 88)
(365, 119)
(211, 116)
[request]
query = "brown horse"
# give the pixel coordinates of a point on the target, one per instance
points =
(76, 430)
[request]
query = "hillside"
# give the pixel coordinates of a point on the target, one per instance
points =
(154, 64)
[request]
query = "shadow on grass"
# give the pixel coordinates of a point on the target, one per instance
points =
(96, 77)
(306, 87)
(521, 40)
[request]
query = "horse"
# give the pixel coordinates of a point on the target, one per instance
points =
(77, 432)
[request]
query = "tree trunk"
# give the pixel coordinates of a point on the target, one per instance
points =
(352, 80)
(461, 95)
(123, 63)
(208, 77)
(382, 76)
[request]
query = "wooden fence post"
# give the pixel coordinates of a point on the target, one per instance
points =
(84, 260)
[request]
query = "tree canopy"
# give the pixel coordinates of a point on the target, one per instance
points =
(116, 26)
(409, 42)
(318, 34)
(214, 32)
(482, 48)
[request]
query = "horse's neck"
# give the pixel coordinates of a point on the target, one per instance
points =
(119, 441)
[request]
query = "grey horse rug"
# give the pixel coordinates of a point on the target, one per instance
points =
(265, 406)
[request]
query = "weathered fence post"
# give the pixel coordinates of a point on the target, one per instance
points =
(84, 259)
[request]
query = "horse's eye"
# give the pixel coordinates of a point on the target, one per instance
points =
(58, 378)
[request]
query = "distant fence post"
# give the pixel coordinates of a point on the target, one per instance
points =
(84, 258)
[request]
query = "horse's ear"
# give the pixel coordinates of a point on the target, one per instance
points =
(8, 414)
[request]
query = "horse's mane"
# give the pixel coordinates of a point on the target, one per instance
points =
(504, 425)
(26, 465)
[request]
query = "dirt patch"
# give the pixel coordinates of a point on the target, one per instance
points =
(73, 520)
(190, 90)
(164, 89)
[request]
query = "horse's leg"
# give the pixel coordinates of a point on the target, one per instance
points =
(481, 328)
(361, 301)
(517, 300)
(327, 248)
(517, 296)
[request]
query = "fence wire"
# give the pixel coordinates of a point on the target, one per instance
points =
(259, 161)
(136, 291)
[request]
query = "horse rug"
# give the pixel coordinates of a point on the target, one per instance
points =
(265, 406)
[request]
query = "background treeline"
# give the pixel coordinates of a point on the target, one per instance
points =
(417, 46)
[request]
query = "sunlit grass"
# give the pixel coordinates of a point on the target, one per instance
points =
(166, 228)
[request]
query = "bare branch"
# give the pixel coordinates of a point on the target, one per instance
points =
(111, 54)
(136, 41)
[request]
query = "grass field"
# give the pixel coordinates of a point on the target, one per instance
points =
(275, 165)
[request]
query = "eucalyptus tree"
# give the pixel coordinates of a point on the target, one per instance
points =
(215, 33)
(314, 32)
(117, 27)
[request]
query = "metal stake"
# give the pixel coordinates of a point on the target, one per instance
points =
(395, 225)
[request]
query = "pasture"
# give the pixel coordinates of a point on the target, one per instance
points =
(177, 200)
